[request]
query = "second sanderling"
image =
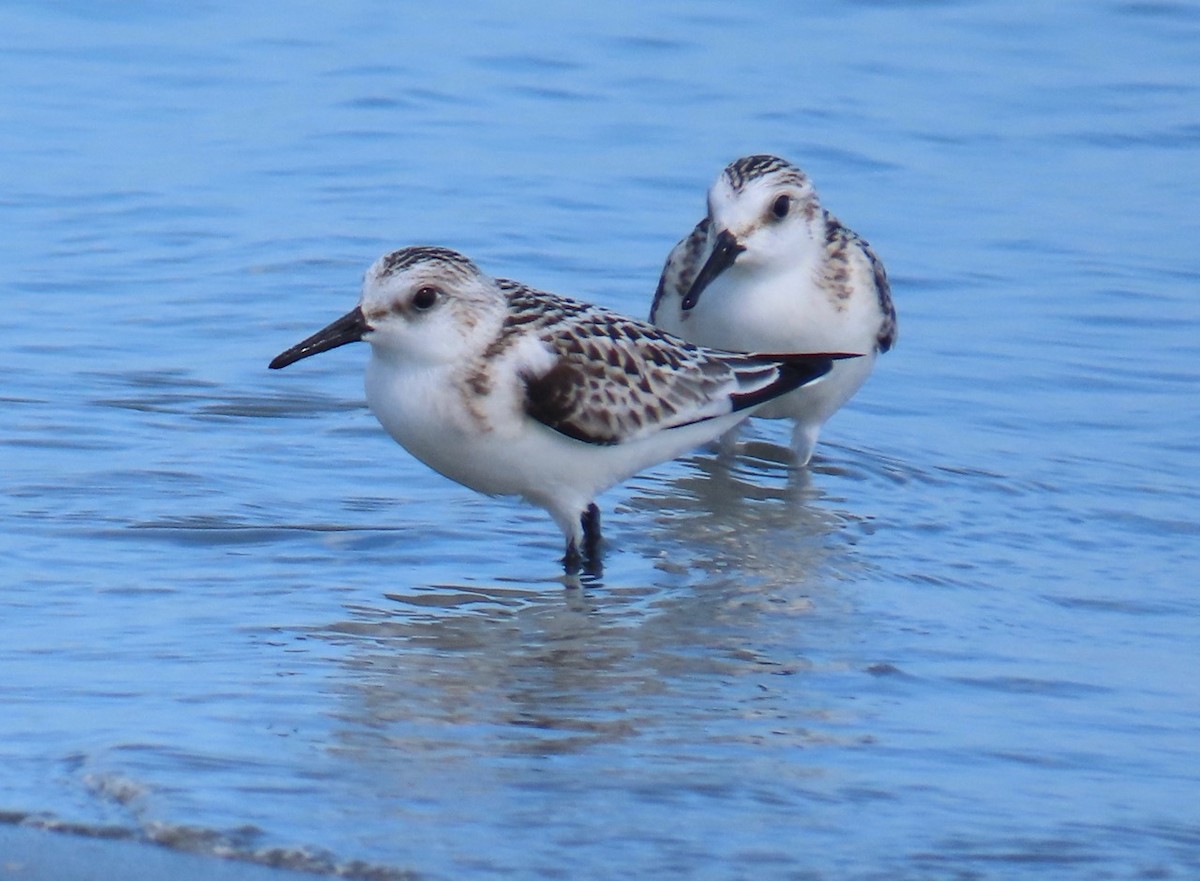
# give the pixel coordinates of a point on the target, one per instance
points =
(769, 270)
(514, 391)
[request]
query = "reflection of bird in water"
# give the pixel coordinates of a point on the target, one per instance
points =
(757, 516)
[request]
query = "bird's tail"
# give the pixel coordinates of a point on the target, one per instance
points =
(784, 373)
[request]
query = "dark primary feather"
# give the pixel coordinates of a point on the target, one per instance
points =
(791, 372)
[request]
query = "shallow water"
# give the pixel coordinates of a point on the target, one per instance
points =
(236, 619)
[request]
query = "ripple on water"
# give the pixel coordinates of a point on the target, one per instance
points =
(237, 620)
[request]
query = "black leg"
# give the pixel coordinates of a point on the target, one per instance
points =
(572, 559)
(588, 559)
(590, 520)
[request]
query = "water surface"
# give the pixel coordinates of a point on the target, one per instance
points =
(236, 619)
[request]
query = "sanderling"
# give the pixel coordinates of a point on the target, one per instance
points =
(770, 270)
(513, 391)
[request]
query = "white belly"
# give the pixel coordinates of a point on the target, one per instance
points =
(510, 453)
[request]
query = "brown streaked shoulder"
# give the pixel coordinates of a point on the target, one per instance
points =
(842, 245)
(681, 267)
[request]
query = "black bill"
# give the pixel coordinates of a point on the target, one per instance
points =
(347, 329)
(725, 251)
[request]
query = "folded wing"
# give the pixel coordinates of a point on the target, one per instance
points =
(614, 379)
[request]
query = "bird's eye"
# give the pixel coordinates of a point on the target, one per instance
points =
(425, 299)
(781, 206)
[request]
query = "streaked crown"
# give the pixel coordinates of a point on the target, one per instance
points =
(743, 171)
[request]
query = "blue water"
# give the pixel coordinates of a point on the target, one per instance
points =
(236, 619)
